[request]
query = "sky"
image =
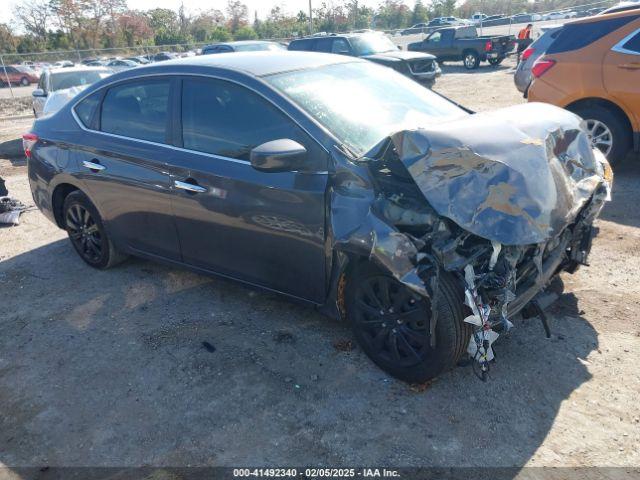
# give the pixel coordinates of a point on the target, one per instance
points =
(263, 7)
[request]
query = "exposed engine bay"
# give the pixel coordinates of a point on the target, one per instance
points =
(504, 201)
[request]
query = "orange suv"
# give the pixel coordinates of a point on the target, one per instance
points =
(593, 69)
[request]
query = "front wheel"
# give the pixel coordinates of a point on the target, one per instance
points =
(391, 323)
(24, 81)
(471, 60)
(87, 233)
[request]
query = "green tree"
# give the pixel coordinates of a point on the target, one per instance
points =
(219, 34)
(245, 33)
(420, 13)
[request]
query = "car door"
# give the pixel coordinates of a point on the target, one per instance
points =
(621, 71)
(123, 163)
(263, 228)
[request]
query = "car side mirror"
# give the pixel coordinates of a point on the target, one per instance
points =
(283, 155)
(38, 92)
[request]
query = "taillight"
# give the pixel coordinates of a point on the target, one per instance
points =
(28, 141)
(488, 46)
(527, 53)
(541, 67)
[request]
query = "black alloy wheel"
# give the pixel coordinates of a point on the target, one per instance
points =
(84, 233)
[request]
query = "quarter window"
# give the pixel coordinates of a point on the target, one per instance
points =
(87, 107)
(137, 110)
(633, 44)
(229, 120)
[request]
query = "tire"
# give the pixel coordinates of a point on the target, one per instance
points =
(87, 233)
(385, 339)
(470, 60)
(495, 61)
(24, 81)
(620, 133)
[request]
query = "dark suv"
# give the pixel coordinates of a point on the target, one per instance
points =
(332, 180)
(377, 48)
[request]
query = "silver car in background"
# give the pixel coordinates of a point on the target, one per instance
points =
(523, 76)
(58, 85)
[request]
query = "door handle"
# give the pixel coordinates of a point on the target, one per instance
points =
(93, 165)
(189, 187)
(630, 66)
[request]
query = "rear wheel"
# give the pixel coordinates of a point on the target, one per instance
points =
(471, 60)
(607, 131)
(87, 233)
(24, 81)
(392, 323)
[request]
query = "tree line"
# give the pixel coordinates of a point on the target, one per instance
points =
(48, 25)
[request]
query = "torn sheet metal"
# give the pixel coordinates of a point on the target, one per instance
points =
(516, 176)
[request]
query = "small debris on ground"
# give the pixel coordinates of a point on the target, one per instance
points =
(343, 345)
(210, 348)
(420, 387)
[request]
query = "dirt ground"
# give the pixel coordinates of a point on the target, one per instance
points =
(109, 369)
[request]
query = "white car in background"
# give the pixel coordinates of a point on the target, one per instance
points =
(58, 85)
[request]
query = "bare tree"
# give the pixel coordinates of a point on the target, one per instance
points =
(34, 16)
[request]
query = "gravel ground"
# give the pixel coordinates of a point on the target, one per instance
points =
(108, 368)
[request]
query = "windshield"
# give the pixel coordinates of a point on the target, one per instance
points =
(370, 44)
(361, 103)
(62, 80)
(255, 47)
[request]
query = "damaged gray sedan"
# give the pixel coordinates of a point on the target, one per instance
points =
(334, 181)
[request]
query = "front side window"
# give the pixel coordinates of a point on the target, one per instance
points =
(226, 119)
(362, 103)
(435, 38)
(137, 110)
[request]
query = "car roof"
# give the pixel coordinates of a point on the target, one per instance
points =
(255, 63)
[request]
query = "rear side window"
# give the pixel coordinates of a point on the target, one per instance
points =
(87, 107)
(305, 45)
(579, 35)
(324, 45)
(229, 120)
(137, 110)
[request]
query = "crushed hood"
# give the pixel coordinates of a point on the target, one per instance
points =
(516, 176)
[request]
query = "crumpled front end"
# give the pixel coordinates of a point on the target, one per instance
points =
(503, 201)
